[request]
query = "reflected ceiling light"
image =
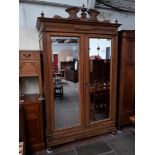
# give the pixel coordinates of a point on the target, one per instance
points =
(98, 48)
(67, 41)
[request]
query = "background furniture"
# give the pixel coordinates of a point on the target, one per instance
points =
(29, 66)
(21, 123)
(32, 103)
(126, 77)
(33, 122)
(21, 130)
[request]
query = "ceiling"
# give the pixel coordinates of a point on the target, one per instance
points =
(118, 5)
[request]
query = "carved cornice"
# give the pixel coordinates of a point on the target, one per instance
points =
(88, 17)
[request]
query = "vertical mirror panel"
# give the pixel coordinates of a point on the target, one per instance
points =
(65, 62)
(99, 78)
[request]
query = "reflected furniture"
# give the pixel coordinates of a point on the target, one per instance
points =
(31, 103)
(99, 70)
(83, 29)
(126, 77)
(58, 87)
(58, 91)
(69, 72)
(58, 74)
(99, 98)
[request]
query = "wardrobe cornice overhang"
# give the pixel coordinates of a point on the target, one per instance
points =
(63, 25)
(73, 22)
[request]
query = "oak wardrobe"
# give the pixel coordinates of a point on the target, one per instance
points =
(80, 75)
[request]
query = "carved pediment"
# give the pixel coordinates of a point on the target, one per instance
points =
(73, 11)
(87, 17)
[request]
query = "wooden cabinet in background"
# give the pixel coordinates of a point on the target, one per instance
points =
(29, 67)
(29, 64)
(21, 124)
(33, 122)
(126, 77)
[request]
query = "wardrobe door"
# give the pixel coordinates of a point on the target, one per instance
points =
(63, 59)
(66, 90)
(100, 80)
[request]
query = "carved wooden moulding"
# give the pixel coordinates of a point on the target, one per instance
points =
(77, 16)
(73, 11)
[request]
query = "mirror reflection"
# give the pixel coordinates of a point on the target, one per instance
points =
(65, 80)
(99, 78)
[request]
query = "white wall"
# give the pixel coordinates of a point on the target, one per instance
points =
(28, 13)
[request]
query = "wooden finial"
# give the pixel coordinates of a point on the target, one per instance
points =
(73, 12)
(42, 14)
(93, 14)
(83, 10)
(116, 21)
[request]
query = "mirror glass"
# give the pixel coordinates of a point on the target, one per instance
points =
(65, 62)
(99, 78)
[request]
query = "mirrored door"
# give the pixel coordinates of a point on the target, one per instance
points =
(68, 84)
(66, 81)
(98, 90)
